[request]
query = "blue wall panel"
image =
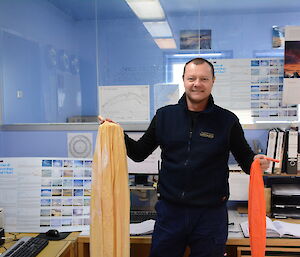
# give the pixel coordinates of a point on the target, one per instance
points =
(54, 143)
(37, 143)
(1, 144)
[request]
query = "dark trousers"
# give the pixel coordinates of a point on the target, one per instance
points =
(203, 229)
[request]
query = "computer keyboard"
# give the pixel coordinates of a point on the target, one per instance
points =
(140, 216)
(26, 247)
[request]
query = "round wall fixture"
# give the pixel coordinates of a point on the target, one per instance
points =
(79, 146)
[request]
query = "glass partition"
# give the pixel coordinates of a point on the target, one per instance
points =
(47, 60)
(59, 60)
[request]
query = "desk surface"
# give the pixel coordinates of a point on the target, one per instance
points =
(238, 241)
(65, 247)
(235, 235)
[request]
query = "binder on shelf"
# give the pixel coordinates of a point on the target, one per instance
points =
(271, 149)
(292, 152)
(298, 160)
(279, 151)
(285, 156)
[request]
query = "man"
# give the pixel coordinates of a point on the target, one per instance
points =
(195, 137)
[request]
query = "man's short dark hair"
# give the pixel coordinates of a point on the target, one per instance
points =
(200, 61)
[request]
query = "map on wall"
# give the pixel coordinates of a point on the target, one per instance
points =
(125, 103)
(165, 94)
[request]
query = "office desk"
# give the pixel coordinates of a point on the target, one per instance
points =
(236, 244)
(140, 245)
(62, 248)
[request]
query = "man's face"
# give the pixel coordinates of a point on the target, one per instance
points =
(198, 82)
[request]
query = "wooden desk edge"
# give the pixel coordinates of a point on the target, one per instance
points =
(133, 239)
(230, 241)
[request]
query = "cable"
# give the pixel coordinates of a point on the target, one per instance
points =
(15, 236)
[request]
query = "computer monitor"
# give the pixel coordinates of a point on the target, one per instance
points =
(143, 199)
(150, 165)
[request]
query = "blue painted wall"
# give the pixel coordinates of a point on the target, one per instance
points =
(51, 92)
(37, 143)
(129, 55)
(54, 143)
(86, 38)
(1, 144)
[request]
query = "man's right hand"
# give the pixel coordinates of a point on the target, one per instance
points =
(102, 120)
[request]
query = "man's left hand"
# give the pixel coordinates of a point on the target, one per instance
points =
(264, 164)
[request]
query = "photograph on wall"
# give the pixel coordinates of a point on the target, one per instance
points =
(278, 37)
(195, 39)
(291, 85)
(292, 59)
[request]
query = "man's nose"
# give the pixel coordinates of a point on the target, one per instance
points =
(197, 82)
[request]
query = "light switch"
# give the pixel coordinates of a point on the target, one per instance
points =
(19, 94)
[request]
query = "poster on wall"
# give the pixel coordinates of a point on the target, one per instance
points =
(38, 194)
(291, 89)
(266, 91)
(231, 88)
(128, 103)
(252, 89)
(195, 39)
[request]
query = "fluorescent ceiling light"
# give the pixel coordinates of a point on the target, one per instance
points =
(199, 55)
(147, 9)
(276, 121)
(158, 29)
(165, 43)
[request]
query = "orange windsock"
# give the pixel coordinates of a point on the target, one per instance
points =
(257, 211)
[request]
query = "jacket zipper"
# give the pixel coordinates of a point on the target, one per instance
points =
(187, 160)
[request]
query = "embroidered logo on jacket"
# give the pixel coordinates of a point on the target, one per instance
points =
(206, 134)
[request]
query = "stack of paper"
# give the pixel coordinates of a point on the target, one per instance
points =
(143, 228)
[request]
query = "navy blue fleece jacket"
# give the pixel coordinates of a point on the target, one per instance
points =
(195, 150)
